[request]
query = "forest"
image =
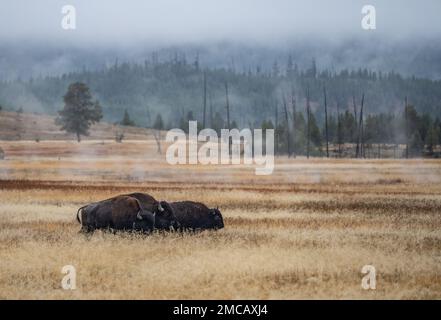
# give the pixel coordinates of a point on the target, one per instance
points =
(315, 111)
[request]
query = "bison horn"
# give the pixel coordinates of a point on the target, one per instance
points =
(139, 216)
(160, 208)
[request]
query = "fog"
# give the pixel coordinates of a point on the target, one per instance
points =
(235, 34)
(167, 22)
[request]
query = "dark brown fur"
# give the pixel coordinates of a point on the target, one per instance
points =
(164, 219)
(121, 212)
(197, 216)
(118, 213)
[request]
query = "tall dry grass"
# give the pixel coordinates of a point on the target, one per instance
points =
(304, 232)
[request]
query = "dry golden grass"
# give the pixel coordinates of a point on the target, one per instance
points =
(30, 126)
(304, 232)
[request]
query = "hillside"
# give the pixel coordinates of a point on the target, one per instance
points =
(176, 88)
(30, 126)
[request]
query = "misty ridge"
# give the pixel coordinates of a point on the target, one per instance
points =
(150, 58)
(278, 85)
(410, 56)
(169, 80)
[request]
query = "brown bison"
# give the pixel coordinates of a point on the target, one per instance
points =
(126, 212)
(165, 217)
(197, 216)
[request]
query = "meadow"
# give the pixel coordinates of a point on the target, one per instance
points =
(305, 231)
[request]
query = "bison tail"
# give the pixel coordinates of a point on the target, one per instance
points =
(78, 214)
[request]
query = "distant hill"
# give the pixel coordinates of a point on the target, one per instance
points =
(29, 126)
(175, 89)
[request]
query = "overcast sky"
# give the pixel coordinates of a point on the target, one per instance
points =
(174, 21)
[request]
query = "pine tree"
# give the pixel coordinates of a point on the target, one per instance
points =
(126, 121)
(432, 138)
(159, 123)
(79, 111)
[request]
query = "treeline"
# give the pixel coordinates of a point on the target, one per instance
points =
(322, 111)
(403, 135)
(175, 86)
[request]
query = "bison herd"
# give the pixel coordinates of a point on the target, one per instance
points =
(142, 212)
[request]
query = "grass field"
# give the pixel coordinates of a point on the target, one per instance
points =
(304, 232)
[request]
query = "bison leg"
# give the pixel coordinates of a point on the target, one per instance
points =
(86, 229)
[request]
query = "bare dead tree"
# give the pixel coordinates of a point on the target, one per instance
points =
(158, 126)
(288, 140)
(326, 122)
(355, 106)
(360, 129)
(119, 136)
(357, 148)
(308, 115)
(227, 105)
(362, 146)
(406, 116)
(338, 130)
(293, 105)
(205, 100)
(157, 136)
(276, 126)
(210, 98)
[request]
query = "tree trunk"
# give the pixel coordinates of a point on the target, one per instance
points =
(407, 128)
(293, 104)
(211, 110)
(205, 100)
(287, 127)
(357, 149)
(326, 123)
(360, 129)
(78, 137)
(308, 111)
(276, 125)
(338, 130)
(227, 105)
(157, 135)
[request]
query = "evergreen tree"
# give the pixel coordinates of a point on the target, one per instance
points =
(316, 136)
(126, 121)
(79, 111)
(159, 123)
(300, 133)
(432, 138)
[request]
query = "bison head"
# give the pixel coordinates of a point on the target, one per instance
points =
(165, 217)
(217, 218)
(145, 220)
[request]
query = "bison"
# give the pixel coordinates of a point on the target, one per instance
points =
(126, 212)
(187, 214)
(165, 217)
(197, 216)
